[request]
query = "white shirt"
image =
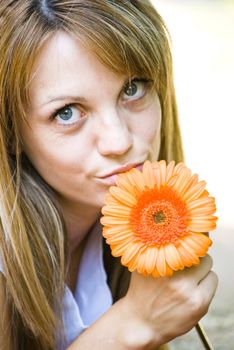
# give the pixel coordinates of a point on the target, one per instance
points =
(92, 295)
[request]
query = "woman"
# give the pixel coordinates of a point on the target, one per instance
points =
(86, 92)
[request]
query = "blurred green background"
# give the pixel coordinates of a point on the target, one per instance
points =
(202, 34)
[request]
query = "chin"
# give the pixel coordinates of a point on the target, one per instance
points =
(100, 200)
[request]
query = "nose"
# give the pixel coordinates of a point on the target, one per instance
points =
(113, 134)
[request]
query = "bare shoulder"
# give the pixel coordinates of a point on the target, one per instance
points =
(5, 336)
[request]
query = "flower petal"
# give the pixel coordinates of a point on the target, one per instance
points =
(182, 181)
(200, 203)
(178, 168)
(173, 258)
(163, 171)
(111, 231)
(205, 193)
(120, 211)
(170, 169)
(132, 265)
(148, 174)
(203, 210)
(120, 248)
(123, 196)
(157, 174)
(201, 238)
(155, 273)
(150, 259)
(130, 253)
(169, 271)
(202, 224)
(161, 262)
(141, 259)
(110, 221)
(123, 182)
(136, 178)
(187, 254)
(199, 243)
(194, 192)
(121, 237)
(110, 200)
(192, 182)
(172, 180)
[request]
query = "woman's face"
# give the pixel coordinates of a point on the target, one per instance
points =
(84, 123)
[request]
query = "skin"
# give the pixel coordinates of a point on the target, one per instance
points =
(154, 311)
(114, 130)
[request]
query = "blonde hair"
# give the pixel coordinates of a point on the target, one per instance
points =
(129, 37)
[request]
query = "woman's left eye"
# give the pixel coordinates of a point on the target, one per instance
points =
(68, 115)
(135, 89)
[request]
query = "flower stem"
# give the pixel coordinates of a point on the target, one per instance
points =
(203, 336)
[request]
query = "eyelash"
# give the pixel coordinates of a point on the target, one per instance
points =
(58, 110)
(147, 83)
(137, 80)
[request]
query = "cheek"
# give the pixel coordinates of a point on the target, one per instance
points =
(148, 125)
(52, 155)
(60, 165)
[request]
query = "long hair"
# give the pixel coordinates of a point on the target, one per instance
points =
(128, 37)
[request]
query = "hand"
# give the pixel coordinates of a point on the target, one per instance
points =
(170, 306)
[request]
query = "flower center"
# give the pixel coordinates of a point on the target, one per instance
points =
(159, 217)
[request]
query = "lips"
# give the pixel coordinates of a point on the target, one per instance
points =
(109, 179)
(121, 169)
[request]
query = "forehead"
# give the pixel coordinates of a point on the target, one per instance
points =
(63, 64)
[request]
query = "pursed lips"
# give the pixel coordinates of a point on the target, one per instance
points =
(121, 170)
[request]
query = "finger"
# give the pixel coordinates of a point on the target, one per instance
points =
(198, 272)
(208, 286)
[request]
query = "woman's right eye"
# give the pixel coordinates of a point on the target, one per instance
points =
(68, 115)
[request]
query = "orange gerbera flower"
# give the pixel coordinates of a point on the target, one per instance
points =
(154, 219)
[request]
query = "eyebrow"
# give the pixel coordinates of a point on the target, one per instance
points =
(66, 97)
(71, 97)
(78, 99)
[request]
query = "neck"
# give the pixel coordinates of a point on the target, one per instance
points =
(78, 220)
